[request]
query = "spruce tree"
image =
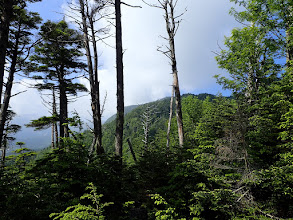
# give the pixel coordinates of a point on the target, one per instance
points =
(58, 58)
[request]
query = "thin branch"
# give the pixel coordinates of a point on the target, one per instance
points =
(133, 6)
(18, 93)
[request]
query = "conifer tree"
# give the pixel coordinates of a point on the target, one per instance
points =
(20, 23)
(57, 58)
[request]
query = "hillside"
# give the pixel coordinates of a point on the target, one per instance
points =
(133, 128)
(127, 109)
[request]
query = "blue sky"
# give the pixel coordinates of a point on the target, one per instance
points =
(147, 72)
(48, 9)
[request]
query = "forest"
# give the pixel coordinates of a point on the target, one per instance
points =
(182, 157)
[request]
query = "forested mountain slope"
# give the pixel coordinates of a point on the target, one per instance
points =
(158, 112)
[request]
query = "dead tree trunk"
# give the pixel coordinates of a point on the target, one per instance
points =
(171, 26)
(88, 22)
(131, 150)
(96, 86)
(120, 84)
(148, 118)
(170, 119)
(146, 121)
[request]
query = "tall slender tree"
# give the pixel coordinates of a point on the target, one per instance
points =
(250, 59)
(48, 121)
(57, 58)
(88, 16)
(172, 23)
(20, 26)
(273, 22)
(120, 82)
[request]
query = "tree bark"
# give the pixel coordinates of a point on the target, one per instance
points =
(96, 85)
(63, 114)
(93, 75)
(4, 149)
(120, 83)
(131, 150)
(171, 29)
(170, 119)
(6, 17)
(54, 112)
(7, 95)
(52, 136)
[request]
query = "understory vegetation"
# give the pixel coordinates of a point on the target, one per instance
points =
(217, 175)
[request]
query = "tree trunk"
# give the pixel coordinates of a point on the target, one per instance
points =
(120, 84)
(55, 123)
(93, 75)
(171, 29)
(63, 107)
(131, 150)
(97, 107)
(7, 95)
(170, 119)
(52, 136)
(3, 156)
(4, 32)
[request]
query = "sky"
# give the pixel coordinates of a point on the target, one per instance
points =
(146, 71)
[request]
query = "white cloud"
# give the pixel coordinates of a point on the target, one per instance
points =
(29, 102)
(147, 72)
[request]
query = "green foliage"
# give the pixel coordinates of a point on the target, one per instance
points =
(216, 204)
(61, 48)
(166, 214)
(19, 159)
(43, 123)
(85, 212)
(157, 132)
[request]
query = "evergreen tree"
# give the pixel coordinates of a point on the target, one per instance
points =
(57, 57)
(20, 25)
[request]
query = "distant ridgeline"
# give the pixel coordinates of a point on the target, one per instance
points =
(157, 113)
(128, 109)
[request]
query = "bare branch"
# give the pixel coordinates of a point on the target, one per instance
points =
(18, 93)
(123, 3)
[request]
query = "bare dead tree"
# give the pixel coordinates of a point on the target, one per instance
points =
(87, 15)
(148, 118)
(170, 119)
(120, 81)
(131, 150)
(231, 153)
(172, 24)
